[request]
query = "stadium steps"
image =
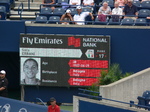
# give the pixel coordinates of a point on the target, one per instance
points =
(26, 14)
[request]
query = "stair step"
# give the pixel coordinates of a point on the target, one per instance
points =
(17, 17)
(26, 8)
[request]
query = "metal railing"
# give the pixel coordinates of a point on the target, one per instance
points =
(20, 10)
(101, 98)
(39, 99)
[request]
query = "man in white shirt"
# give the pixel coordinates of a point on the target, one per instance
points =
(88, 2)
(79, 18)
(117, 10)
(75, 2)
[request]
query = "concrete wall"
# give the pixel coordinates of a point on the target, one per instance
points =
(128, 88)
(82, 104)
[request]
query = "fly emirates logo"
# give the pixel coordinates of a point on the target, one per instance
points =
(37, 40)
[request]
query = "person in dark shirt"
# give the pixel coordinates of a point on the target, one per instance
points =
(49, 2)
(130, 10)
(3, 84)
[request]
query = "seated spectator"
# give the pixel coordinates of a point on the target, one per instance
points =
(75, 2)
(121, 3)
(103, 12)
(105, 9)
(79, 18)
(88, 2)
(66, 17)
(130, 10)
(117, 10)
(148, 18)
(49, 2)
(0, 17)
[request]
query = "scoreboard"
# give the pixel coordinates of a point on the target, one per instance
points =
(63, 60)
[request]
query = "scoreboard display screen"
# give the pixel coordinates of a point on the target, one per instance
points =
(63, 60)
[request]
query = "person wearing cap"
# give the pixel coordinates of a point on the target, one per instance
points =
(53, 107)
(66, 17)
(79, 18)
(3, 84)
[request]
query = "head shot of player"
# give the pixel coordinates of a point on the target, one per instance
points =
(30, 69)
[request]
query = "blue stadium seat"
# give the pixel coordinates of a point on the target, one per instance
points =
(137, 3)
(113, 23)
(41, 19)
(97, 22)
(5, 3)
(3, 12)
(145, 4)
(140, 22)
(62, 1)
(127, 21)
(110, 2)
(59, 11)
(87, 9)
(46, 10)
(141, 101)
(54, 19)
(73, 11)
(143, 13)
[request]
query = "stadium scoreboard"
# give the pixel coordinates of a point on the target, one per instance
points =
(65, 60)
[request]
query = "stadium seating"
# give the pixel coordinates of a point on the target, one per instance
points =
(110, 2)
(3, 12)
(59, 11)
(140, 22)
(143, 13)
(87, 9)
(113, 23)
(54, 19)
(73, 11)
(5, 3)
(62, 1)
(144, 99)
(41, 19)
(46, 10)
(145, 4)
(97, 22)
(127, 21)
(137, 3)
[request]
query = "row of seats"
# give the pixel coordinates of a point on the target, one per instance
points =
(60, 11)
(126, 21)
(144, 4)
(142, 13)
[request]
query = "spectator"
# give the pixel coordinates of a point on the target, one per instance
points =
(121, 3)
(88, 2)
(30, 69)
(103, 12)
(0, 17)
(130, 10)
(49, 2)
(105, 9)
(117, 10)
(66, 17)
(53, 107)
(75, 2)
(3, 84)
(80, 17)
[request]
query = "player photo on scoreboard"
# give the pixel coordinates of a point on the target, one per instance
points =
(30, 71)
